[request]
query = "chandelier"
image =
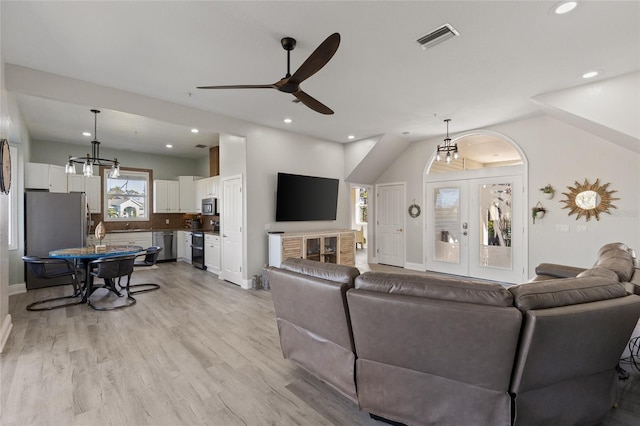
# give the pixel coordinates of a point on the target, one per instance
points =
(94, 159)
(447, 147)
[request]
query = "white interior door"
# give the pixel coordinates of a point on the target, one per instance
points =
(472, 229)
(231, 223)
(390, 224)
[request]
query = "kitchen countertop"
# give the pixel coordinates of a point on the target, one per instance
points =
(119, 231)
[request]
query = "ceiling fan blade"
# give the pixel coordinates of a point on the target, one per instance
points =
(317, 59)
(313, 103)
(240, 86)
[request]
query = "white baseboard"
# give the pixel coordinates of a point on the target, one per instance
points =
(414, 266)
(17, 289)
(7, 325)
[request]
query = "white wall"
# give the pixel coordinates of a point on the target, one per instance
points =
(163, 166)
(270, 151)
(558, 154)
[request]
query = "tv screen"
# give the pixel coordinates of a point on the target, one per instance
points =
(306, 198)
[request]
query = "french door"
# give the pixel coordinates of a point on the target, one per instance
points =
(475, 228)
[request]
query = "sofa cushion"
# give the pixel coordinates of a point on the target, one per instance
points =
(599, 272)
(618, 259)
(459, 289)
(567, 291)
(326, 271)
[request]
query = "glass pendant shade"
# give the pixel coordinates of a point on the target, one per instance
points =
(70, 168)
(87, 169)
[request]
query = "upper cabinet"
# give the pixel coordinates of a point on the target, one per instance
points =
(45, 176)
(187, 194)
(90, 185)
(166, 197)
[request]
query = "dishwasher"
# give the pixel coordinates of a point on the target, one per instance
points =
(168, 242)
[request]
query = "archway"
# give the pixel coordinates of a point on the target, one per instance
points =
(476, 209)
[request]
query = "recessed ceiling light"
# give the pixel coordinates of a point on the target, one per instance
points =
(288, 120)
(194, 130)
(351, 137)
(169, 145)
(564, 7)
(590, 74)
(86, 133)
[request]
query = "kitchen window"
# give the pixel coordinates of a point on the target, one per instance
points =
(126, 198)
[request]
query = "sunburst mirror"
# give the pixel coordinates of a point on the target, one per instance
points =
(589, 199)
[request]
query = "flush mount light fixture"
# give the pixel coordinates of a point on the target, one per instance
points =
(564, 7)
(288, 120)
(94, 159)
(447, 147)
(351, 137)
(194, 130)
(169, 145)
(590, 74)
(86, 133)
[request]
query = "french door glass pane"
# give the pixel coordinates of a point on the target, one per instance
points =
(447, 224)
(495, 221)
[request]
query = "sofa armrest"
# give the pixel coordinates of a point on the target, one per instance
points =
(558, 271)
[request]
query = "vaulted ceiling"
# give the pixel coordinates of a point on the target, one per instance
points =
(379, 82)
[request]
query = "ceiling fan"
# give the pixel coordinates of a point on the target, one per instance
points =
(291, 83)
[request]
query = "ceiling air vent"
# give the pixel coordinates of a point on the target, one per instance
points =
(438, 35)
(201, 146)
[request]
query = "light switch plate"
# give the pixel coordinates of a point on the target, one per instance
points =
(562, 228)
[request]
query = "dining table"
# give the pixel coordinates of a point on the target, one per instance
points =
(87, 254)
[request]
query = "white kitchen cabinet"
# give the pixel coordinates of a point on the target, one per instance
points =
(165, 196)
(180, 237)
(186, 242)
(189, 203)
(90, 185)
(208, 187)
(201, 192)
(212, 253)
(45, 176)
(142, 239)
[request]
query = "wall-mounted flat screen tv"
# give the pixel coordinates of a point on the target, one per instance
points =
(302, 198)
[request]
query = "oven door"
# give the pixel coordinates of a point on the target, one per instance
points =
(197, 250)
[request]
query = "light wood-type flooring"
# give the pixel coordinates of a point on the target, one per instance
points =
(199, 351)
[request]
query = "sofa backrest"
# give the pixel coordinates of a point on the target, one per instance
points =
(616, 257)
(573, 327)
(458, 329)
(312, 295)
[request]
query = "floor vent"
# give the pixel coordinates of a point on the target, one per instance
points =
(438, 35)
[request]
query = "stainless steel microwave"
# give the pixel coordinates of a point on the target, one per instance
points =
(209, 206)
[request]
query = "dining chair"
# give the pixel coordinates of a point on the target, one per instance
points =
(150, 259)
(110, 269)
(48, 268)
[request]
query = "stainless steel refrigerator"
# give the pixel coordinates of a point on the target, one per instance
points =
(53, 221)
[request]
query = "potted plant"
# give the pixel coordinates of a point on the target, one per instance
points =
(548, 191)
(537, 212)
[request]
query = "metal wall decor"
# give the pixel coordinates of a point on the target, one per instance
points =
(589, 200)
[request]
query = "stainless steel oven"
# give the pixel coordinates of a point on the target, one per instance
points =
(197, 249)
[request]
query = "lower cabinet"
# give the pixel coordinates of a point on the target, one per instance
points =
(184, 246)
(327, 247)
(212, 258)
(142, 239)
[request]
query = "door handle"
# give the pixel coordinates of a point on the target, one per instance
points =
(399, 230)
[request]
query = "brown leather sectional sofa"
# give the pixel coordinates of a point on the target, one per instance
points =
(437, 350)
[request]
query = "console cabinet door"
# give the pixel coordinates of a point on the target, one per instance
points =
(347, 248)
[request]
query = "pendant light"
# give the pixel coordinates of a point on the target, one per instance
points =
(94, 159)
(447, 148)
